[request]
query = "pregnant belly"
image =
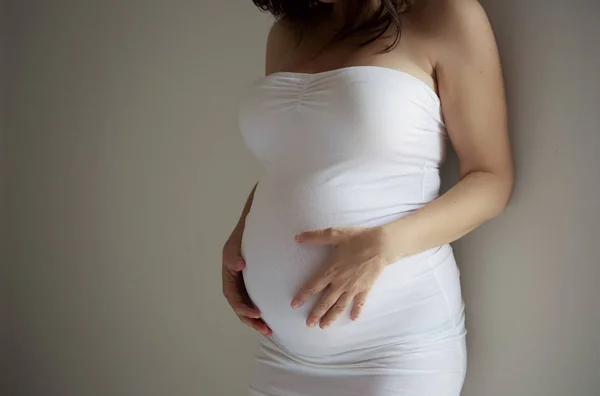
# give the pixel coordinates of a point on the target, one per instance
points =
(407, 302)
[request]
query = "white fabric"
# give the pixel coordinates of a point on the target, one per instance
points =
(358, 146)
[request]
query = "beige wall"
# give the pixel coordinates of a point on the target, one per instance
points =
(4, 316)
(530, 276)
(129, 174)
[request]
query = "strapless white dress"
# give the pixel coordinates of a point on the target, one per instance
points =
(357, 146)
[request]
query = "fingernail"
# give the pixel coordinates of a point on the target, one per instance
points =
(295, 304)
(311, 322)
(324, 325)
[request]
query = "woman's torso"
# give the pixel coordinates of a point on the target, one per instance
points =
(352, 146)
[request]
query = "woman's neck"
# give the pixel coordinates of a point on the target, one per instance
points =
(339, 13)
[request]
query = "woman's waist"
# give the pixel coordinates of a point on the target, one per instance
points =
(352, 202)
(279, 256)
(303, 212)
(270, 230)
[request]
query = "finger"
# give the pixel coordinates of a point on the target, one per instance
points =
(235, 264)
(327, 300)
(242, 309)
(336, 310)
(326, 236)
(233, 293)
(239, 264)
(359, 303)
(258, 325)
(314, 286)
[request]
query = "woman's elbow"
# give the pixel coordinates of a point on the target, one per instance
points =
(504, 184)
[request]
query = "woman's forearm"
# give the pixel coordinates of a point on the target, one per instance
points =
(236, 234)
(478, 197)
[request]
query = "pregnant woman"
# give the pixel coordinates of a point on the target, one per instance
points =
(341, 258)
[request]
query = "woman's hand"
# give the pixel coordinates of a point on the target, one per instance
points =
(358, 259)
(235, 291)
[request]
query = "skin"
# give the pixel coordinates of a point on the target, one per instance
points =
(450, 46)
(233, 283)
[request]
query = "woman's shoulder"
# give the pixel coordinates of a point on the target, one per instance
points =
(436, 13)
(448, 19)
(281, 39)
(447, 27)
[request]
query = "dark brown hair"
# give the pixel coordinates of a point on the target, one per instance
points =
(368, 18)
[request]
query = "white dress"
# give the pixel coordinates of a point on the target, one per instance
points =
(357, 146)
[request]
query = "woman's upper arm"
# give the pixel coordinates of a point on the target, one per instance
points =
(471, 89)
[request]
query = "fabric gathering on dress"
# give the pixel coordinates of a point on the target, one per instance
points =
(359, 146)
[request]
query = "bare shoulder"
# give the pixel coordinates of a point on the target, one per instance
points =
(455, 28)
(281, 39)
(467, 67)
